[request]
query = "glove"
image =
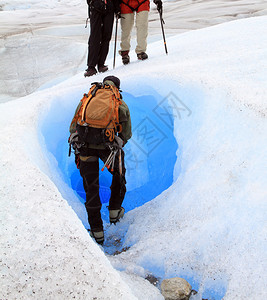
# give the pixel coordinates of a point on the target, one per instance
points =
(118, 15)
(158, 3)
(73, 138)
(119, 141)
(74, 143)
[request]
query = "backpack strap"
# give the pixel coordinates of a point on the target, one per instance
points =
(110, 133)
(117, 103)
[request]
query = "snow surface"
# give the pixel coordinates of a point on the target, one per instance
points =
(39, 30)
(208, 227)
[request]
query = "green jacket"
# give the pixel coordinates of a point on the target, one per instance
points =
(124, 118)
(125, 121)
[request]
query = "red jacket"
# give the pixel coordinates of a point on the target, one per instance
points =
(128, 6)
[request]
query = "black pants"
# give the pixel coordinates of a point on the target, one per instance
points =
(100, 36)
(89, 171)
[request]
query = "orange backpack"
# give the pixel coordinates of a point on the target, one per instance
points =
(97, 116)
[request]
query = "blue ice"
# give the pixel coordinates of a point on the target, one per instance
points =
(150, 154)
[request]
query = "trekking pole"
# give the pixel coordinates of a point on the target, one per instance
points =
(115, 45)
(86, 22)
(162, 22)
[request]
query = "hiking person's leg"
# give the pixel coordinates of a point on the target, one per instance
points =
(89, 170)
(107, 21)
(118, 187)
(94, 42)
(142, 33)
(127, 22)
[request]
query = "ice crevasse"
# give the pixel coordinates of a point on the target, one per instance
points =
(150, 155)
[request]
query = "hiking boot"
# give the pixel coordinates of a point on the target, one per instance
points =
(115, 215)
(90, 72)
(125, 57)
(98, 235)
(102, 69)
(142, 56)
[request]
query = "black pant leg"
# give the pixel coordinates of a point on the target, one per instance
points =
(106, 37)
(118, 185)
(90, 174)
(94, 42)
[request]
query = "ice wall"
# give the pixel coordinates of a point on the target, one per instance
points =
(150, 155)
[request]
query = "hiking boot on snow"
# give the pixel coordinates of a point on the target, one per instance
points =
(102, 69)
(115, 215)
(98, 235)
(142, 56)
(90, 72)
(125, 57)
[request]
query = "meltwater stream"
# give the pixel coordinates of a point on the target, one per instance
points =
(150, 155)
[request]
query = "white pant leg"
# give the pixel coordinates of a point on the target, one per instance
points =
(141, 31)
(127, 22)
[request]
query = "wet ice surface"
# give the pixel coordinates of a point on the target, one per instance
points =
(45, 43)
